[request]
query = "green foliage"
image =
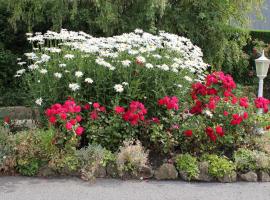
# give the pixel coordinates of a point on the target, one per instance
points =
(260, 35)
(188, 164)
(207, 23)
(28, 167)
(161, 138)
(64, 163)
(35, 149)
(109, 132)
(27, 153)
(6, 147)
(219, 166)
(247, 160)
(95, 154)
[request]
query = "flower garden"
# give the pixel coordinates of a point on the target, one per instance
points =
(134, 106)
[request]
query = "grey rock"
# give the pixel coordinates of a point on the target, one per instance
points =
(204, 174)
(46, 172)
(184, 175)
(19, 112)
(166, 172)
(229, 178)
(249, 177)
(145, 173)
(263, 176)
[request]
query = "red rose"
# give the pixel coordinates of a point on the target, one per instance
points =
(119, 110)
(245, 115)
(63, 116)
(87, 106)
(96, 105)
(73, 121)
(102, 109)
(79, 131)
(94, 115)
(219, 131)
(78, 118)
(69, 126)
(52, 119)
(243, 102)
(188, 133)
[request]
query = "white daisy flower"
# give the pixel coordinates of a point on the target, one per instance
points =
(39, 101)
(188, 78)
(78, 74)
(149, 66)
(88, 80)
(21, 71)
(43, 71)
(118, 88)
(58, 75)
(74, 86)
(45, 58)
(33, 67)
(62, 65)
(157, 56)
(126, 63)
(125, 83)
(21, 63)
(69, 56)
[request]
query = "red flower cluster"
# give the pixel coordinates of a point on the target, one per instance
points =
(225, 80)
(262, 103)
(171, 103)
(244, 102)
(134, 114)
(67, 113)
(213, 134)
(97, 109)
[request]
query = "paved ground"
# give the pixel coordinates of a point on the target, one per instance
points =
(21, 188)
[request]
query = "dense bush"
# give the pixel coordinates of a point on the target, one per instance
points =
(92, 158)
(219, 166)
(248, 160)
(187, 164)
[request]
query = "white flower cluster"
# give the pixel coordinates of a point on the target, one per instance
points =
(164, 52)
(134, 43)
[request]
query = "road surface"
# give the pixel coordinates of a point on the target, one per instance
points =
(24, 188)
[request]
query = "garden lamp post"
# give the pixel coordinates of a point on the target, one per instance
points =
(262, 65)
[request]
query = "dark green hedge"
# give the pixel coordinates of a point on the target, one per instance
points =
(260, 35)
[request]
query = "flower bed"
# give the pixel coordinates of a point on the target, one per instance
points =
(112, 103)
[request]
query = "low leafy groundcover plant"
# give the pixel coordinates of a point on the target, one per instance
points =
(219, 166)
(187, 164)
(251, 160)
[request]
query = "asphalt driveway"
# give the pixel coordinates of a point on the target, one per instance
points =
(23, 188)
